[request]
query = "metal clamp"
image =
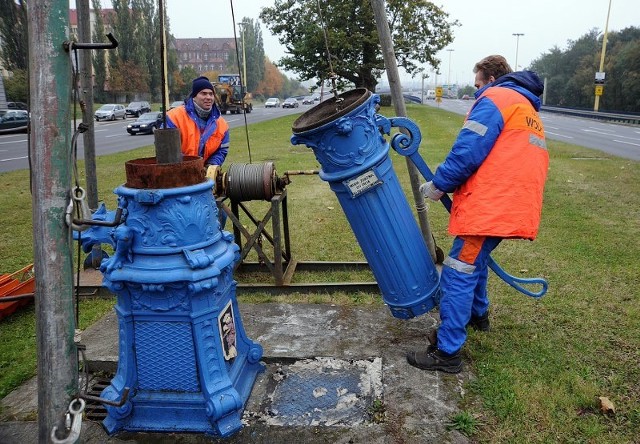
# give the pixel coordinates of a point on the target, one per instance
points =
(78, 205)
(73, 423)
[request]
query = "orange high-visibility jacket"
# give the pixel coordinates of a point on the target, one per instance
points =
(196, 141)
(498, 165)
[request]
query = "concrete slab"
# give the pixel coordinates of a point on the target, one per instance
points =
(416, 405)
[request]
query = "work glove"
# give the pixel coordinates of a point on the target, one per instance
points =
(430, 191)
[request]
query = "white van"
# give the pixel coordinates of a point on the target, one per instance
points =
(431, 94)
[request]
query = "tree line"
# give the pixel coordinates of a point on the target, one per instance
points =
(570, 74)
(134, 67)
(338, 42)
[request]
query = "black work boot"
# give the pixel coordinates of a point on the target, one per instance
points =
(435, 359)
(480, 323)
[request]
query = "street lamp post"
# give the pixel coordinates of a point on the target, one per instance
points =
(244, 55)
(449, 74)
(424, 76)
(517, 34)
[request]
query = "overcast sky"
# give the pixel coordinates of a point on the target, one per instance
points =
(486, 28)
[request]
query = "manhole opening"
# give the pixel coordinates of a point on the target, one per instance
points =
(94, 410)
(323, 392)
(318, 391)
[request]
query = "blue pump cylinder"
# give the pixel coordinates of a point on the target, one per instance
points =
(344, 134)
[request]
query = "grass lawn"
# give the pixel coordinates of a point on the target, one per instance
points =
(539, 374)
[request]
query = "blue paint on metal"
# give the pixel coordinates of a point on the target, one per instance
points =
(354, 159)
(183, 351)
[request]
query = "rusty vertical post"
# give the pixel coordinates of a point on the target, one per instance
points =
(391, 66)
(167, 140)
(86, 94)
(49, 85)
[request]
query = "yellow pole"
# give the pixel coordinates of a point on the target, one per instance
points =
(596, 104)
(244, 56)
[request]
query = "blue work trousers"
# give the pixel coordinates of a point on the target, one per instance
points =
(463, 284)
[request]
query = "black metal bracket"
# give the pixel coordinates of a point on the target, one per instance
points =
(68, 46)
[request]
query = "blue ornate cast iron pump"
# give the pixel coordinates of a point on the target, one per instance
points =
(355, 161)
(183, 351)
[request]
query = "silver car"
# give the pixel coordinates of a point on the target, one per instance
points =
(111, 111)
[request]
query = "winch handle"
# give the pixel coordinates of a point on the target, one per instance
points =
(514, 281)
(401, 144)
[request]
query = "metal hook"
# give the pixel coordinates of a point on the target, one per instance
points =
(68, 46)
(75, 426)
(120, 403)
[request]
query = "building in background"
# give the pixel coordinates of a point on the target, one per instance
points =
(204, 54)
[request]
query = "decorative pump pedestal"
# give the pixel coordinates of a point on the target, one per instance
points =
(183, 351)
(345, 135)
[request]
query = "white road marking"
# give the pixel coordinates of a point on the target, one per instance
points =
(559, 135)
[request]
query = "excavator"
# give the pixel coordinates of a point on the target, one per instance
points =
(231, 96)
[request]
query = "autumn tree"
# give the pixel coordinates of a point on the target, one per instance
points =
(182, 85)
(128, 76)
(419, 30)
(273, 80)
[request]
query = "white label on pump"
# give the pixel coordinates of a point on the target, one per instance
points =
(362, 183)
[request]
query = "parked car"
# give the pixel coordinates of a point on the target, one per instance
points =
(111, 111)
(290, 103)
(145, 124)
(137, 108)
(272, 102)
(17, 105)
(13, 120)
(176, 104)
(466, 97)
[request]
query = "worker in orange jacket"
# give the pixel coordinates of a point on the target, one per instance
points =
(203, 132)
(496, 170)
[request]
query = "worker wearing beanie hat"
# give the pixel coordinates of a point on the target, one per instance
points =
(203, 132)
(199, 84)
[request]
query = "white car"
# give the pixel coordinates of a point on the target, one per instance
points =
(272, 102)
(111, 111)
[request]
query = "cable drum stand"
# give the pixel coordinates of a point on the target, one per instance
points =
(243, 183)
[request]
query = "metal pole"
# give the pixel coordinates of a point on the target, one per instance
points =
(596, 104)
(449, 74)
(517, 34)
(86, 88)
(244, 58)
(49, 147)
(89, 138)
(166, 140)
(400, 109)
